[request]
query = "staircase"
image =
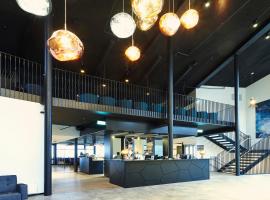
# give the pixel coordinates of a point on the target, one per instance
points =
(249, 159)
(226, 141)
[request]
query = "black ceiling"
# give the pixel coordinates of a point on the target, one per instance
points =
(221, 29)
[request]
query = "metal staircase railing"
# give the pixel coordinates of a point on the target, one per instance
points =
(226, 157)
(255, 154)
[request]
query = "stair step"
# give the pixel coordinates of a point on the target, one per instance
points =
(225, 142)
(211, 136)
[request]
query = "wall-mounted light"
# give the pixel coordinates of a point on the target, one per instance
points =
(252, 102)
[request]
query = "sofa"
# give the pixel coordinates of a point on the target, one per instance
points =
(10, 190)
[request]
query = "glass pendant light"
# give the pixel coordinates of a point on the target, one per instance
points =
(133, 53)
(190, 18)
(147, 8)
(169, 23)
(65, 45)
(122, 24)
(146, 23)
(36, 7)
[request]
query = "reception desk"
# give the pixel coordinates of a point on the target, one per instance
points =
(155, 172)
(90, 166)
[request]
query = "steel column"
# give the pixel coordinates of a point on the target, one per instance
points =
(170, 95)
(75, 162)
(236, 100)
(48, 112)
(55, 154)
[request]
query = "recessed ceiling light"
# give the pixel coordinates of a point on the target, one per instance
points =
(126, 80)
(148, 93)
(104, 85)
(252, 73)
(255, 24)
(267, 37)
(207, 4)
(82, 71)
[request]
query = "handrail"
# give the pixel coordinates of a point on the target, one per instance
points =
(23, 79)
(226, 157)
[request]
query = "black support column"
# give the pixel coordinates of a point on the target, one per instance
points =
(170, 95)
(55, 154)
(75, 162)
(236, 100)
(48, 112)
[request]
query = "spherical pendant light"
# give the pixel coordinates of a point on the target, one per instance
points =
(122, 25)
(147, 8)
(169, 23)
(133, 53)
(65, 46)
(190, 18)
(36, 7)
(146, 23)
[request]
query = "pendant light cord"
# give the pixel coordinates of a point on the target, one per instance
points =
(132, 38)
(189, 4)
(65, 14)
(123, 5)
(173, 6)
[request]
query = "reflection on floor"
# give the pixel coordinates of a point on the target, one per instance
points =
(65, 180)
(69, 186)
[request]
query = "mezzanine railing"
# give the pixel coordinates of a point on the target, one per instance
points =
(23, 79)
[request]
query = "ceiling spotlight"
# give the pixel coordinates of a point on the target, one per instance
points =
(82, 71)
(255, 24)
(126, 80)
(122, 25)
(148, 94)
(207, 4)
(252, 73)
(133, 53)
(37, 7)
(104, 85)
(267, 37)
(169, 24)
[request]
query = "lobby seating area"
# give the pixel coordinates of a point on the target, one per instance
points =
(11, 190)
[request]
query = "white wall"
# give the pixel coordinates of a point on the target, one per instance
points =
(260, 90)
(210, 148)
(22, 142)
(225, 95)
(62, 133)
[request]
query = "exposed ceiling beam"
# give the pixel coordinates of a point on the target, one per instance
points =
(183, 76)
(153, 67)
(259, 34)
(104, 56)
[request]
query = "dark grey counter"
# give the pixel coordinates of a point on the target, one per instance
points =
(155, 172)
(89, 166)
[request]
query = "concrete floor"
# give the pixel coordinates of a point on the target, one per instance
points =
(71, 186)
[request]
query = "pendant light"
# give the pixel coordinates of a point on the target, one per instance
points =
(36, 7)
(65, 45)
(169, 23)
(147, 8)
(190, 18)
(122, 24)
(133, 53)
(146, 23)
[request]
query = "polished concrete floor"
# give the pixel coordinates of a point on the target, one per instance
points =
(71, 186)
